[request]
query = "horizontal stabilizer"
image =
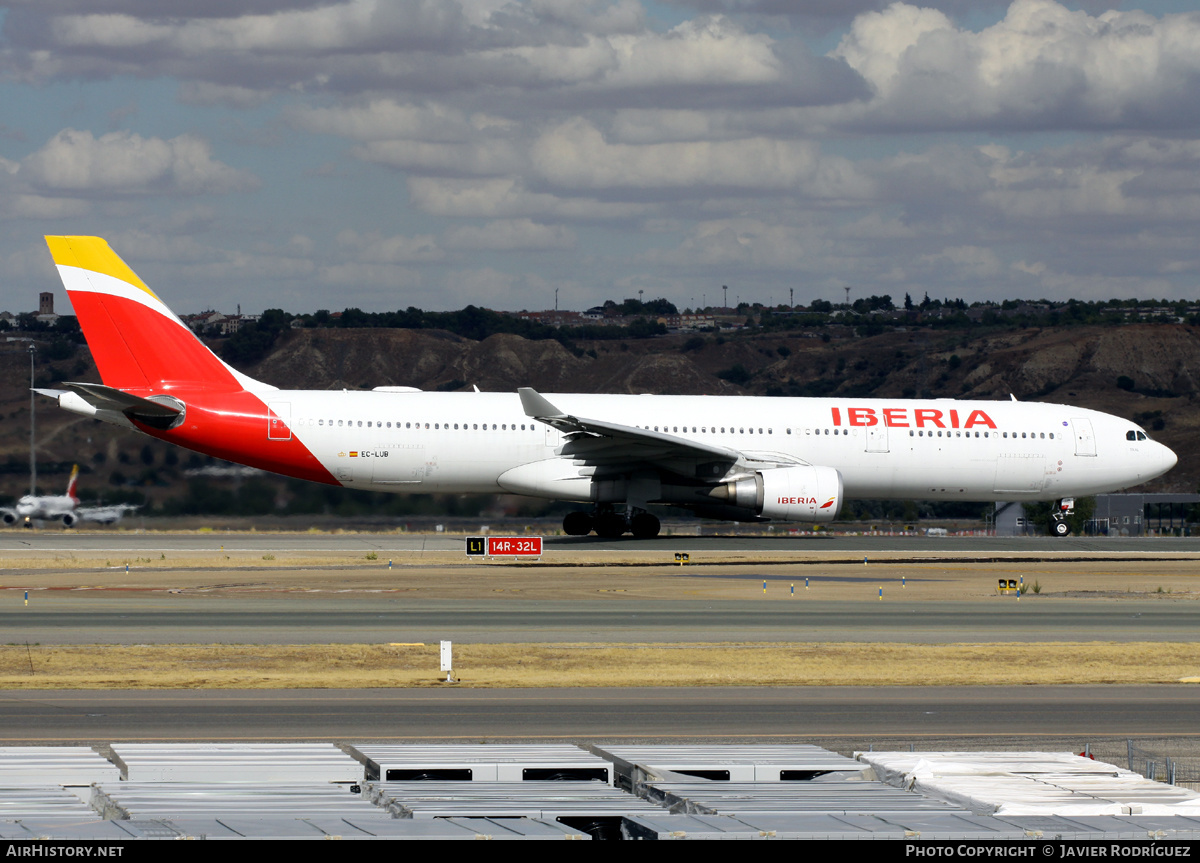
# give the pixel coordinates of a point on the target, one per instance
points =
(160, 412)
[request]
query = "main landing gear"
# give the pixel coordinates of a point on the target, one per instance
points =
(611, 524)
(1058, 521)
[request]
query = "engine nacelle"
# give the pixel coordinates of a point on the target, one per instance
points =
(9, 517)
(69, 519)
(811, 494)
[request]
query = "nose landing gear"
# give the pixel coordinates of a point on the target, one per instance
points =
(1058, 521)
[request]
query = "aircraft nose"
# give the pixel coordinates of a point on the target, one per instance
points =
(1166, 458)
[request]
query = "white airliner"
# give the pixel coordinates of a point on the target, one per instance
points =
(738, 458)
(62, 507)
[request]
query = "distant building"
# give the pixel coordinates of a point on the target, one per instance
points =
(554, 318)
(687, 322)
(45, 313)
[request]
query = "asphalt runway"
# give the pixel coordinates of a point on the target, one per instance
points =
(839, 717)
(80, 618)
(842, 717)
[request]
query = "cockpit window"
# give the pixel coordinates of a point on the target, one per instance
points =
(1136, 435)
(1142, 436)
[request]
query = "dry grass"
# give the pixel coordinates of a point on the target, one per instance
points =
(286, 572)
(565, 665)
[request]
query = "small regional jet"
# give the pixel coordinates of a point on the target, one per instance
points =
(727, 457)
(62, 507)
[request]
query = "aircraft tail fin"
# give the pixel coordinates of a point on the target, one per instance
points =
(73, 484)
(137, 342)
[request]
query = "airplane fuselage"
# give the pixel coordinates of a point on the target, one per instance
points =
(467, 442)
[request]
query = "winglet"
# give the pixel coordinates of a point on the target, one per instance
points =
(537, 407)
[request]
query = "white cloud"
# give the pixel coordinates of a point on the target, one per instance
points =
(386, 119)
(358, 275)
(209, 94)
(40, 207)
(481, 158)
(576, 155)
(1042, 66)
(493, 198)
(76, 162)
(328, 27)
(506, 235)
(1115, 177)
(376, 249)
(747, 243)
(966, 261)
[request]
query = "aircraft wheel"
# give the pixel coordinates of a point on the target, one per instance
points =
(644, 526)
(577, 524)
(1061, 528)
(610, 525)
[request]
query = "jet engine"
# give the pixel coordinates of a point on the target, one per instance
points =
(10, 517)
(811, 493)
(69, 519)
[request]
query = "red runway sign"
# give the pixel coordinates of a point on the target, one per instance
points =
(501, 546)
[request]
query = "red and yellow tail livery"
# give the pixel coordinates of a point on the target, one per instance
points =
(159, 377)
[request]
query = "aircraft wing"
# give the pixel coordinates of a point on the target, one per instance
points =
(106, 514)
(612, 447)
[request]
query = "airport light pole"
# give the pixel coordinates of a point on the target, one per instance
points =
(32, 433)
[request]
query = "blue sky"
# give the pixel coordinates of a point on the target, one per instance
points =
(310, 154)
